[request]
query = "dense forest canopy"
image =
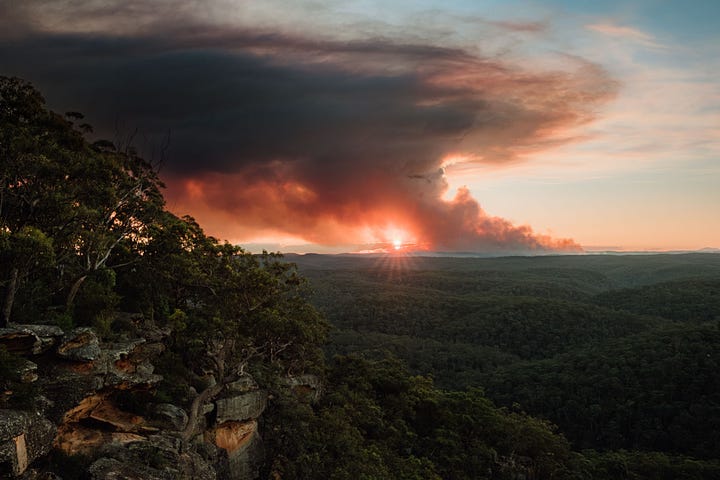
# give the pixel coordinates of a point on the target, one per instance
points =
(619, 352)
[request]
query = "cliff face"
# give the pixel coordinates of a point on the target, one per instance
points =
(81, 382)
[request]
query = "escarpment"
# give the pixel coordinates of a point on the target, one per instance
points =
(78, 400)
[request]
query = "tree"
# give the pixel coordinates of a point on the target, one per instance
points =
(21, 253)
(248, 309)
(89, 200)
(230, 311)
(117, 199)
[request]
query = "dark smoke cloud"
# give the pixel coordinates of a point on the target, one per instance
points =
(311, 136)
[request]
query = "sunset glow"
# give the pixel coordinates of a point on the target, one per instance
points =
(525, 130)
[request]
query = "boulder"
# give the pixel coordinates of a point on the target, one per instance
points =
(242, 445)
(126, 364)
(118, 366)
(107, 413)
(232, 436)
(30, 339)
(27, 373)
(24, 436)
(243, 385)
(97, 421)
(82, 345)
(39, 474)
(157, 457)
(169, 416)
(67, 385)
(76, 439)
(245, 461)
(113, 469)
(241, 407)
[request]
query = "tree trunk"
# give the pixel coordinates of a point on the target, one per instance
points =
(9, 298)
(207, 395)
(73, 291)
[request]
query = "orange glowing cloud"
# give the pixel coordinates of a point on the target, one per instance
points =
(325, 139)
(406, 221)
(359, 155)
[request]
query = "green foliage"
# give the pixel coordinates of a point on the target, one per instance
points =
(174, 387)
(96, 301)
(596, 351)
(69, 210)
(377, 421)
(624, 465)
(83, 230)
(694, 301)
(658, 390)
(64, 320)
(25, 254)
(458, 324)
(242, 308)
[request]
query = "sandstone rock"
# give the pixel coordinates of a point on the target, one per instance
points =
(170, 416)
(28, 372)
(82, 344)
(241, 407)
(243, 385)
(212, 455)
(75, 439)
(48, 333)
(24, 437)
(193, 466)
(84, 388)
(157, 457)
(118, 366)
(125, 364)
(84, 408)
(67, 386)
(106, 412)
(245, 461)
(33, 474)
(167, 442)
(89, 419)
(232, 436)
(29, 339)
(109, 425)
(112, 469)
(242, 444)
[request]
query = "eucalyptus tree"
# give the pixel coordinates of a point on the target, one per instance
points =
(87, 200)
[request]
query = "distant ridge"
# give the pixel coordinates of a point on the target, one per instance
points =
(706, 250)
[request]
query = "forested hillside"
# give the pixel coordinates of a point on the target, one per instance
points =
(619, 351)
(658, 390)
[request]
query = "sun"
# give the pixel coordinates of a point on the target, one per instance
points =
(397, 243)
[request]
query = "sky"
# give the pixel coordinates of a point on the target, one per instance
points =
(362, 125)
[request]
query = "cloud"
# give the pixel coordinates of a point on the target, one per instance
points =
(328, 140)
(626, 33)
